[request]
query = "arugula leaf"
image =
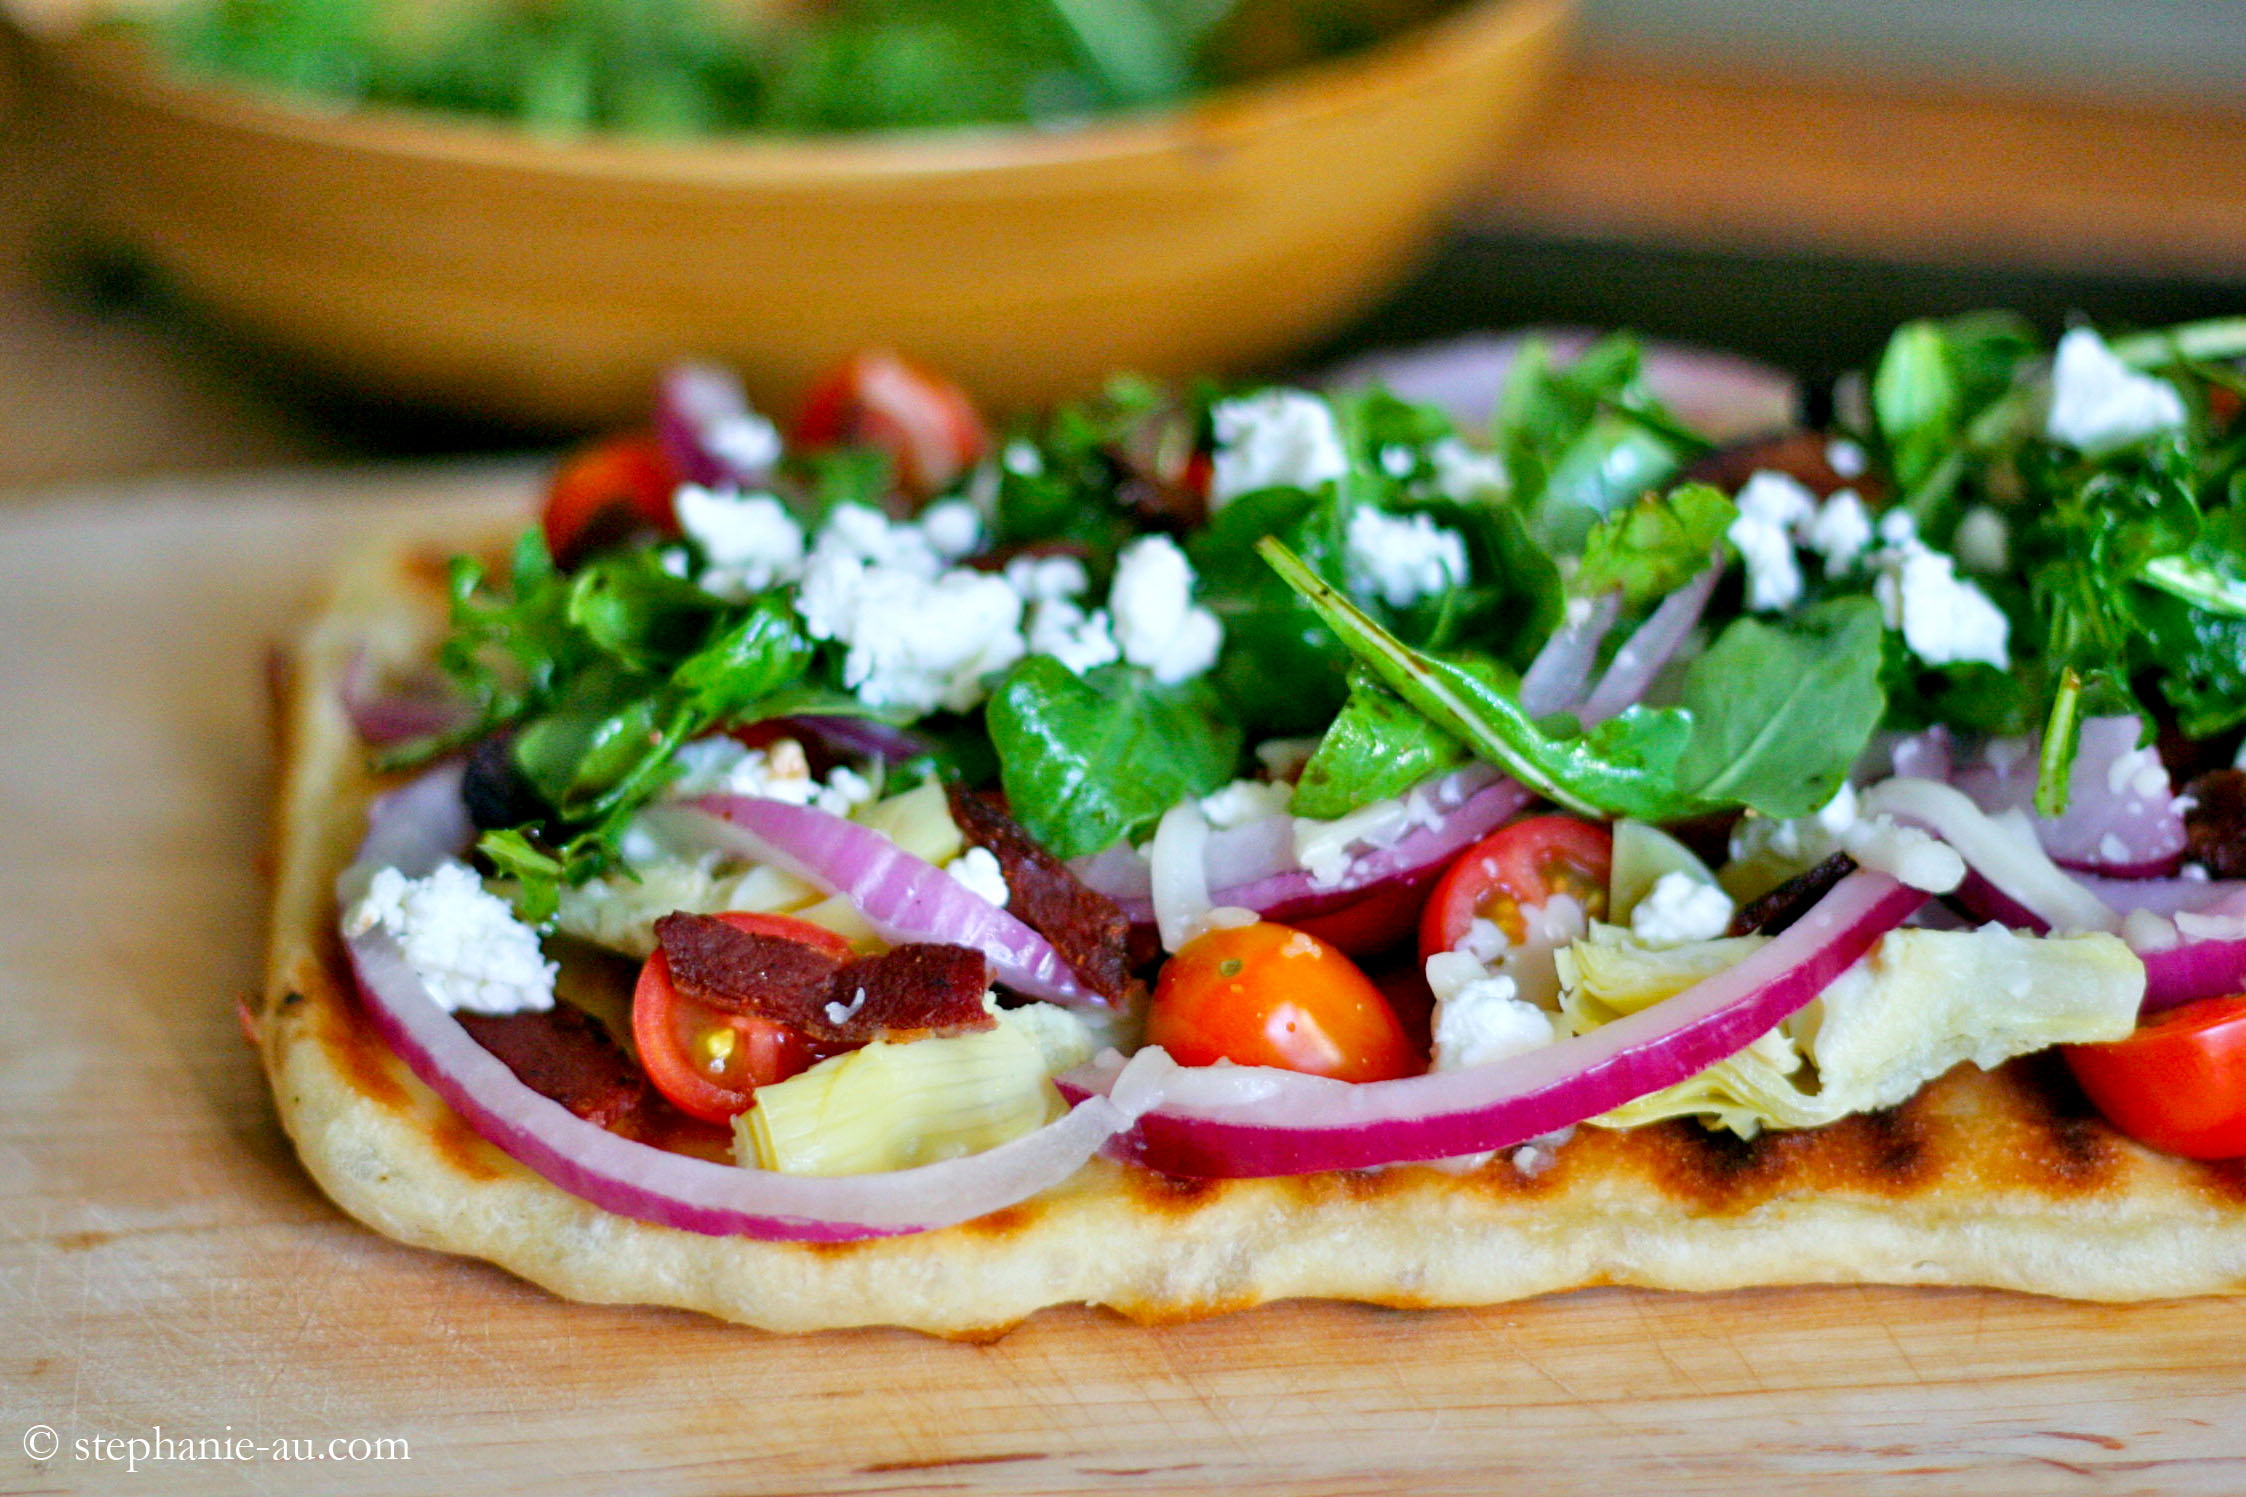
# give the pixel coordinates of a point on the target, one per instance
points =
(1281, 671)
(1625, 766)
(628, 607)
(1656, 545)
(1780, 710)
(1377, 747)
(1086, 761)
(747, 663)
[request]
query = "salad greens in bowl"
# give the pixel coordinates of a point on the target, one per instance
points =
(532, 225)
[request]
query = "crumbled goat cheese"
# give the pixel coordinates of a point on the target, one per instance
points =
(865, 534)
(1079, 640)
(1679, 909)
(1983, 542)
(1778, 498)
(779, 771)
(1944, 619)
(914, 642)
(1244, 801)
(1402, 558)
(1845, 458)
(744, 441)
(749, 540)
(2138, 772)
(1898, 527)
(978, 872)
(1774, 581)
(2098, 402)
(461, 940)
(1398, 461)
(1905, 853)
(953, 529)
(1840, 533)
(1479, 1016)
(1467, 474)
(1023, 460)
(1275, 438)
(1151, 606)
(1047, 579)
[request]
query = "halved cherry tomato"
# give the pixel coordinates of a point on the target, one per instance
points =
(707, 1062)
(605, 492)
(1514, 868)
(1270, 995)
(1364, 927)
(927, 424)
(2178, 1083)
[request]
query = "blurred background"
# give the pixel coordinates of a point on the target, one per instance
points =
(1784, 178)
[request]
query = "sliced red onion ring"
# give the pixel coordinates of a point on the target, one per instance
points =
(903, 897)
(413, 829)
(400, 711)
(1722, 396)
(1555, 679)
(1227, 1121)
(1655, 643)
(2169, 896)
(2003, 850)
(2207, 960)
(708, 431)
(2121, 817)
(1294, 894)
(698, 1195)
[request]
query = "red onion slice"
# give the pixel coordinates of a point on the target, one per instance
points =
(399, 712)
(1555, 679)
(2196, 967)
(903, 897)
(698, 1195)
(701, 418)
(1654, 644)
(1230, 1121)
(2121, 817)
(2003, 850)
(1294, 894)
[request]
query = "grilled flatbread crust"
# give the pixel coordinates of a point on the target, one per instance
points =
(2004, 1179)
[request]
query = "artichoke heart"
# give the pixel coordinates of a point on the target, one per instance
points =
(1918, 1003)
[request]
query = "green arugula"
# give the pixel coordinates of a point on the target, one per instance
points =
(1086, 761)
(1655, 546)
(1378, 746)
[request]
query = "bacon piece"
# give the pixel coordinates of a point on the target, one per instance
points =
(915, 990)
(740, 972)
(2215, 826)
(926, 988)
(565, 1054)
(1087, 928)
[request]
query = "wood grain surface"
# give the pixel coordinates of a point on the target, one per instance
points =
(164, 1263)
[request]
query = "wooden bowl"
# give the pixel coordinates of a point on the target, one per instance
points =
(470, 266)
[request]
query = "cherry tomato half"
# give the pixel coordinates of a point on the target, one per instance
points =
(604, 493)
(1514, 868)
(927, 424)
(2178, 1083)
(1270, 995)
(709, 1063)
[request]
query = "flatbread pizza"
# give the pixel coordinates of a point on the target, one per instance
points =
(782, 1002)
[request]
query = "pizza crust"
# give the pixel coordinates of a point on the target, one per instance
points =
(2001, 1179)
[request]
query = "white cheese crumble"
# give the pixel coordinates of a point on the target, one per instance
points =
(1680, 909)
(977, 871)
(1778, 498)
(1905, 854)
(1983, 542)
(1023, 460)
(920, 645)
(952, 529)
(1465, 474)
(1047, 579)
(744, 441)
(461, 940)
(1275, 438)
(1402, 558)
(750, 541)
(2099, 403)
(1846, 458)
(1151, 606)
(1244, 801)
(1479, 1016)
(779, 771)
(1774, 581)
(1840, 533)
(1944, 619)
(1079, 640)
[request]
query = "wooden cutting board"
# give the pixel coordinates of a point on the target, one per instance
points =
(165, 1264)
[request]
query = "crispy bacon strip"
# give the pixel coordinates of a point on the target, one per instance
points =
(916, 990)
(565, 1054)
(1087, 928)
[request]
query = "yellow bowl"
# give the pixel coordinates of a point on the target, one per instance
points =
(473, 267)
